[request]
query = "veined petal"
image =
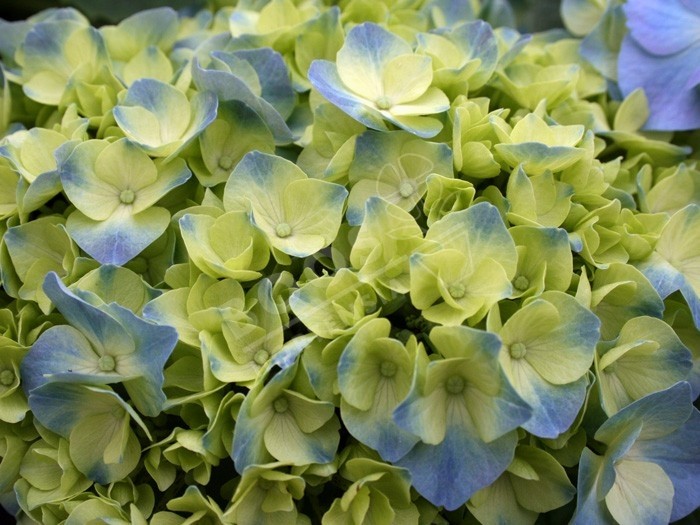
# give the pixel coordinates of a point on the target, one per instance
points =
(95, 197)
(105, 334)
(62, 350)
(166, 103)
(673, 104)
(123, 165)
(642, 493)
(662, 28)
(449, 473)
(324, 77)
(406, 77)
(257, 184)
(362, 60)
(121, 237)
(424, 127)
(428, 103)
(560, 352)
(311, 208)
(554, 407)
(170, 176)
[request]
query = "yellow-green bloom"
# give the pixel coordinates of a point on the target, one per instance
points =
(379, 492)
(114, 186)
(470, 270)
(277, 422)
(387, 238)
(394, 166)
(334, 306)
(160, 118)
(533, 483)
(537, 146)
(298, 215)
(48, 477)
(646, 357)
(266, 495)
(374, 375)
(464, 58)
(547, 349)
(225, 246)
(465, 413)
(674, 263)
(377, 76)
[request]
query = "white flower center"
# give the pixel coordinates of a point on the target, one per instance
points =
(7, 377)
(406, 189)
(517, 350)
(225, 162)
(106, 363)
(261, 356)
(383, 102)
(455, 384)
(283, 230)
(457, 290)
(387, 369)
(280, 405)
(127, 196)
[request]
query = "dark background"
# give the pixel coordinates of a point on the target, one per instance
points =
(533, 15)
(99, 11)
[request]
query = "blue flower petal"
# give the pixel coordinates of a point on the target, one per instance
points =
(448, 474)
(68, 354)
(98, 327)
(673, 103)
(63, 354)
(678, 455)
(121, 237)
(273, 76)
(378, 431)
(323, 76)
(226, 86)
(662, 27)
(554, 406)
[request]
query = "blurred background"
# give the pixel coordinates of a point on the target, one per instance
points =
(531, 15)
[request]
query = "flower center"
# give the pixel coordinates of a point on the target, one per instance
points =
(283, 230)
(457, 290)
(280, 405)
(387, 369)
(406, 189)
(225, 162)
(521, 283)
(455, 385)
(265, 484)
(261, 356)
(383, 102)
(517, 350)
(7, 377)
(106, 363)
(127, 196)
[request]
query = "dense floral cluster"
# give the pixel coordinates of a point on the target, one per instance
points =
(288, 262)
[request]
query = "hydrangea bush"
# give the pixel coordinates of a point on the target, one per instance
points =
(387, 262)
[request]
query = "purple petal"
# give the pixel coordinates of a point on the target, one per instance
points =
(664, 79)
(663, 27)
(449, 474)
(693, 5)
